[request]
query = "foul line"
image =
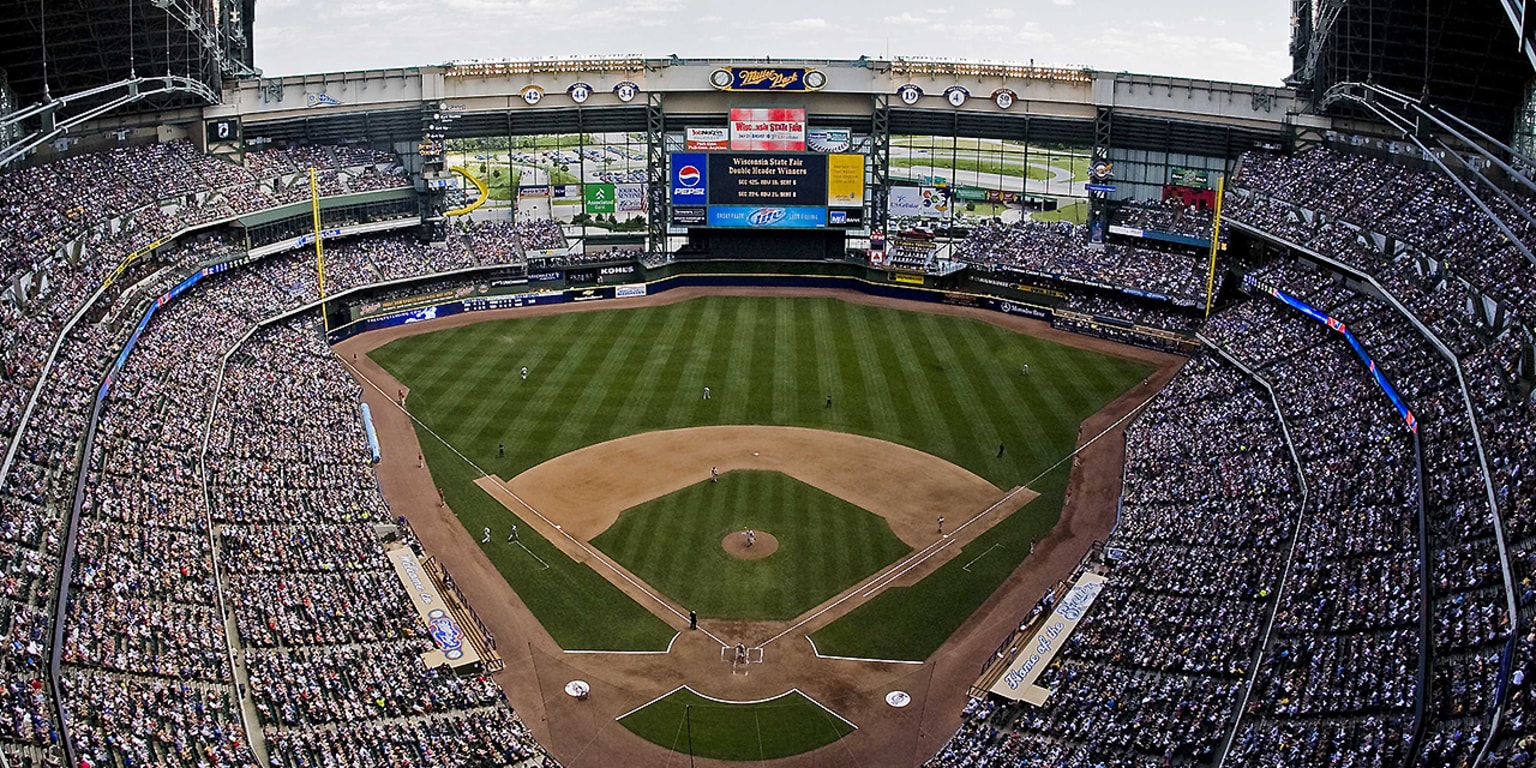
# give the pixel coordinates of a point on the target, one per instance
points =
(707, 697)
(884, 579)
(600, 557)
(967, 567)
(821, 655)
(632, 653)
(532, 555)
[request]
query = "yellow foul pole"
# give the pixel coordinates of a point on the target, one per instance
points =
(1210, 280)
(314, 202)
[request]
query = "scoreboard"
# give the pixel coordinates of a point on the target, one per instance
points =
(796, 190)
(768, 179)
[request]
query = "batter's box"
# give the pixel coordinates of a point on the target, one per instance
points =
(740, 657)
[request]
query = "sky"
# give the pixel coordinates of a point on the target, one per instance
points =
(1241, 41)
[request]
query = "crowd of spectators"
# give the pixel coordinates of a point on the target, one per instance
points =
(1152, 674)
(540, 235)
(1437, 254)
(332, 647)
(146, 658)
(1170, 216)
(1061, 251)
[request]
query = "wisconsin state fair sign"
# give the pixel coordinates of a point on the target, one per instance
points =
(1018, 683)
(780, 79)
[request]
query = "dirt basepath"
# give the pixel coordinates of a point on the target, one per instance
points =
(570, 499)
(583, 734)
(585, 490)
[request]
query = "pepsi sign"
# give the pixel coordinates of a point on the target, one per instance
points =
(690, 180)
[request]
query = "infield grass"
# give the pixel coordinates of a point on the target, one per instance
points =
(825, 545)
(949, 386)
(788, 725)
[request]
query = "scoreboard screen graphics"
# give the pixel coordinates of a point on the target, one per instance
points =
(767, 190)
(768, 179)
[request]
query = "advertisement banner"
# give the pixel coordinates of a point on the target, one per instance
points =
(925, 202)
(828, 139)
(768, 179)
(538, 190)
(631, 197)
(452, 645)
(1189, 177)
(690, 216)
(768, 130)
(708, 139)
(767, 79)
(581, 277)
(628, 291)
(906, 201)
(690, 183)
(851, 218)
(1018, 683)
(749, 217)
(600, 198)
(845, 180)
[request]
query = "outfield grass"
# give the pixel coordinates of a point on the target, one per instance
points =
(945, 385)
(684, 721)
(825, 546)
(910, 623)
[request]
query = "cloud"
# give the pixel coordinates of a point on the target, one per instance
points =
(906, 17)
(1001, 14)
(814, 23)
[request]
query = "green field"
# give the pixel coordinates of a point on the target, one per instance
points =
(685, 722)
(948, 386)
(825, 546)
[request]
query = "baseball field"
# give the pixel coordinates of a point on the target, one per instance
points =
(841, 433)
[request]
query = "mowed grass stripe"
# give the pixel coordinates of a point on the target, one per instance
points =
(913, 379)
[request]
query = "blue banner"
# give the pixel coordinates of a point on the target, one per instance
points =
(373, 436)
(1354, 343)
(690, 178)
(766, 217)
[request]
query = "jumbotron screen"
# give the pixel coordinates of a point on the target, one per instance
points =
(799, 190)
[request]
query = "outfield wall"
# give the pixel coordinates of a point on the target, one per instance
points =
(959, 289)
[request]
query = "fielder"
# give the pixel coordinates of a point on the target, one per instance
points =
(706, 393)
(486, 539)
(525, 373)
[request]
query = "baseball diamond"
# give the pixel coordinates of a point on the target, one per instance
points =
(858, 410)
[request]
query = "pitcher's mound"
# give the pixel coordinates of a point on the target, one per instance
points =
(735, 545)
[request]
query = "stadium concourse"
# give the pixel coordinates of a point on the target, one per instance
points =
(1325, 549)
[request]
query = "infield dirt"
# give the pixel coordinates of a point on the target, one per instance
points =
(584, 733)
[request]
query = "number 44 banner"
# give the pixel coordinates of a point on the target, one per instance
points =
(600, 198)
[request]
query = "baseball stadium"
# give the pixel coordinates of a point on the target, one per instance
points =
(652, 411)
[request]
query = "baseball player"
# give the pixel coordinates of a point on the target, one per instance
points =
(486, 539)
(751, 537)
(714, 475)
(706, 393)
(999, 450)
(512, 536)
(525, 373)
(941, 523)
(829, 400)
(501, 450)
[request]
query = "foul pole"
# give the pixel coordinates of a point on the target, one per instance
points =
(1210, 279)
(314, 203)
